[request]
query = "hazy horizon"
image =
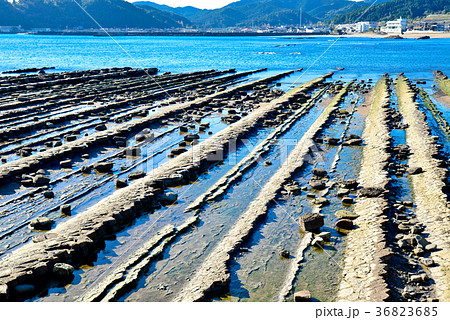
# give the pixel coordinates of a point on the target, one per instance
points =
(201, 4)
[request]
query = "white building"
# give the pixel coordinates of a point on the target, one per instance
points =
(364, 26)
(396, 26)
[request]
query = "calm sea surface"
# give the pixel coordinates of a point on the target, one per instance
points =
(361, 57)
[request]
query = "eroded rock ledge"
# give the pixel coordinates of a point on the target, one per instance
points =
(366, 251)
(431, 201)
(214, 275)
(32, 265)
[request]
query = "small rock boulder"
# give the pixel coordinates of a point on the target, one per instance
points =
(136, 175)
(120, 141)
(345, 224)
(63, 270)
(41, 180)
(85, 169)
(321, 201)
(349, 184)
(409, 292)
(293, 188)
(353, 142)
(371, 192)
(140, 137)
(317, 184)
(319, 172)
(332, 141)
(420, 278)
(302, 296)
(285, 254)
(66, 209)
(168, 198)
(49, 194)
(103, 167)
(311, 221)
(101, 127)
(347, 200)
(178, 151)
(191, 137)
(41, 223)
(70, 138)
(120, 183)
(428, 262)
(342, 192)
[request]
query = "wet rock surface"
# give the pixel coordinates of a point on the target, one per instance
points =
(80, 236)
(75, 149)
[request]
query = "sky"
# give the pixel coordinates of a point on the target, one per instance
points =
(202, 4)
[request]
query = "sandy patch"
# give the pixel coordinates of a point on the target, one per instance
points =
(442, 98)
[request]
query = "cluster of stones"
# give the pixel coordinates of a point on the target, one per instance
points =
(405, 231)
(223, 184)
(366, 252)
(56, 140)
(213, 275)
(15, 168)
(429, 184)
(28, 82)
(162, 88)
(74, 241)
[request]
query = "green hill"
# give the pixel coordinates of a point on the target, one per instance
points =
(66, 13)
(410, 9)
(262, 12)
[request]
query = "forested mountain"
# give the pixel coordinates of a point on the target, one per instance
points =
(190, 13)
(395, 9)
(145, 14)
(8, 14)
(260, 12)
(66, 13)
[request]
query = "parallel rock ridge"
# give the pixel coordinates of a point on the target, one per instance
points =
(13, 84)
(364, 268)
(20, 166)
(431, 201)
(80, 236)
(214, 274)
(442, 81)
(236, 172)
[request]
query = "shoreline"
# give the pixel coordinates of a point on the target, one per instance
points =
(373, 35)
(406, 35)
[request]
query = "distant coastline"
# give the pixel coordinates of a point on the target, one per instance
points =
(406, 35)
(174, 34)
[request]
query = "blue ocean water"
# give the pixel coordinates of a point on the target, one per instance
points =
(361, 57)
